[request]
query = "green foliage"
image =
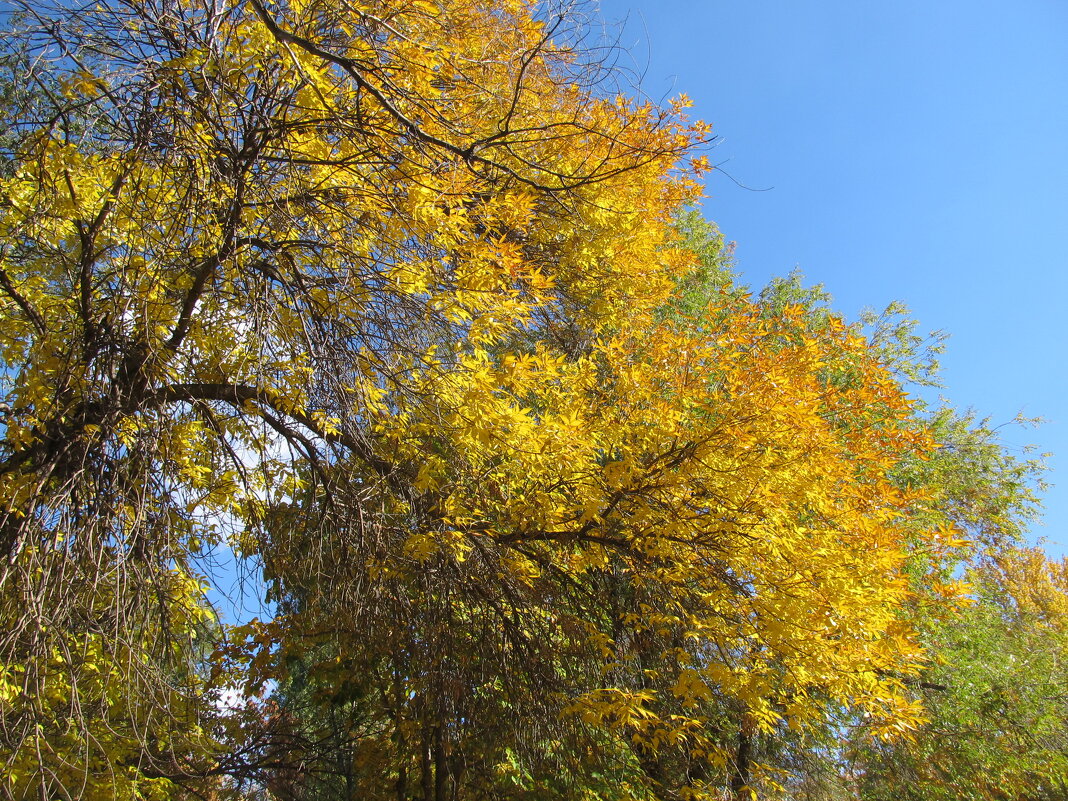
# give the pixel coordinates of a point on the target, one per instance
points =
(713, 277)
(912, 356)
(990, 490)
(995, 696)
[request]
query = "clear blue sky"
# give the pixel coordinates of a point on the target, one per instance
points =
(918, 151)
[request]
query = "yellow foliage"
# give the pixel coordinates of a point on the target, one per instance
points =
(80, 713)
(382, 291)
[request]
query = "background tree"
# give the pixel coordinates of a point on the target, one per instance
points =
(995, 695)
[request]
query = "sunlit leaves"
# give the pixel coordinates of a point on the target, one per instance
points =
(995, 719)
(391, 299)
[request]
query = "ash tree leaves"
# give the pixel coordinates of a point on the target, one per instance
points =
(402, 304)
(261, 256)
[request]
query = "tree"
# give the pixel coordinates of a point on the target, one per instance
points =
(392, 299)
(679, 557)
(994, 695)
(239, 240)
(981, 497)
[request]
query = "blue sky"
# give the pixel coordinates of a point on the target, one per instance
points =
(915, 151)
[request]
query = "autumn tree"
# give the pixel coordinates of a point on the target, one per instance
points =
(982, 496)
(646, 576)
(393, 301)
(978, 493)
(241, 245)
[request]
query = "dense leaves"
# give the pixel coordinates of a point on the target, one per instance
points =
(404, 306)
(995, 695)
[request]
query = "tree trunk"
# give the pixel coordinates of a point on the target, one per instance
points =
(427, 777)
(441, 768)
(740, 779)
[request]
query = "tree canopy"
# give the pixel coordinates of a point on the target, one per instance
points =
(406, 306)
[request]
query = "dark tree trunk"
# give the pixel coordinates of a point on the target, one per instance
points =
(441, 768)
(427, 773)
(740, 779)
